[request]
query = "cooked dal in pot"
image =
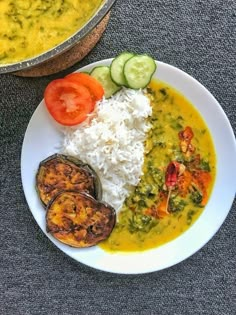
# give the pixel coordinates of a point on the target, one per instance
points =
(178, 175)
(29, 28)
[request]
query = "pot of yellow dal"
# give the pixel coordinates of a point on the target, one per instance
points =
(36, 31)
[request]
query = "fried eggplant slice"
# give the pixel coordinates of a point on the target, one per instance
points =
(60, 172)
(79, 220)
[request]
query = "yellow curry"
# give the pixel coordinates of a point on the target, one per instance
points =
(178, 175)
(29, 27)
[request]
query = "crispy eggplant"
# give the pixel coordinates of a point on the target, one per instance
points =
(60, 172)
(79, 220)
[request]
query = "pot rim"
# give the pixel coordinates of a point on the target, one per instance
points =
(64, 46)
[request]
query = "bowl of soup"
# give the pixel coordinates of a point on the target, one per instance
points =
(33, 32)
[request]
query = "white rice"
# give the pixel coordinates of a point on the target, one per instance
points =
(111, 140)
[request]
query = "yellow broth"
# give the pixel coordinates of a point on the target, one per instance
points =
(139, 228)
(29, 27)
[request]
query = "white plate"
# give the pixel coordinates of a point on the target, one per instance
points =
(42, 139)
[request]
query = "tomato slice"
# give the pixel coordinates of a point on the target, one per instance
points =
(89, 82)
(69, 103)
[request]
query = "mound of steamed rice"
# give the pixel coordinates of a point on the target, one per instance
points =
(111, 141)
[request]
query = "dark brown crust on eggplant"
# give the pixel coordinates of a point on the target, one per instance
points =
(79, 220)
(60, 172)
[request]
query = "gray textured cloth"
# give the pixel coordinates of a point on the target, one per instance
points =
(198, 37)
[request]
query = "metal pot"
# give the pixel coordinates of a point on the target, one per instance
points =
(64, 46)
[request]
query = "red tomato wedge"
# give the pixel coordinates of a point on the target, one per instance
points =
(89, 82)
(69, 103)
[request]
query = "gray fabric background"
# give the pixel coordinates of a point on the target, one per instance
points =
(35, 277)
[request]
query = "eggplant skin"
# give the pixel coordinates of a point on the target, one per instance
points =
(79, 220)
(60, 172)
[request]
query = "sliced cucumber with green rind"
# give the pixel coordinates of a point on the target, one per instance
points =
(102, 74)
(138, 71)
(117, 68)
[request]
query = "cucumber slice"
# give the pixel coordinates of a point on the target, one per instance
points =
(138, 71)
(117, 68)
(102, 74)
